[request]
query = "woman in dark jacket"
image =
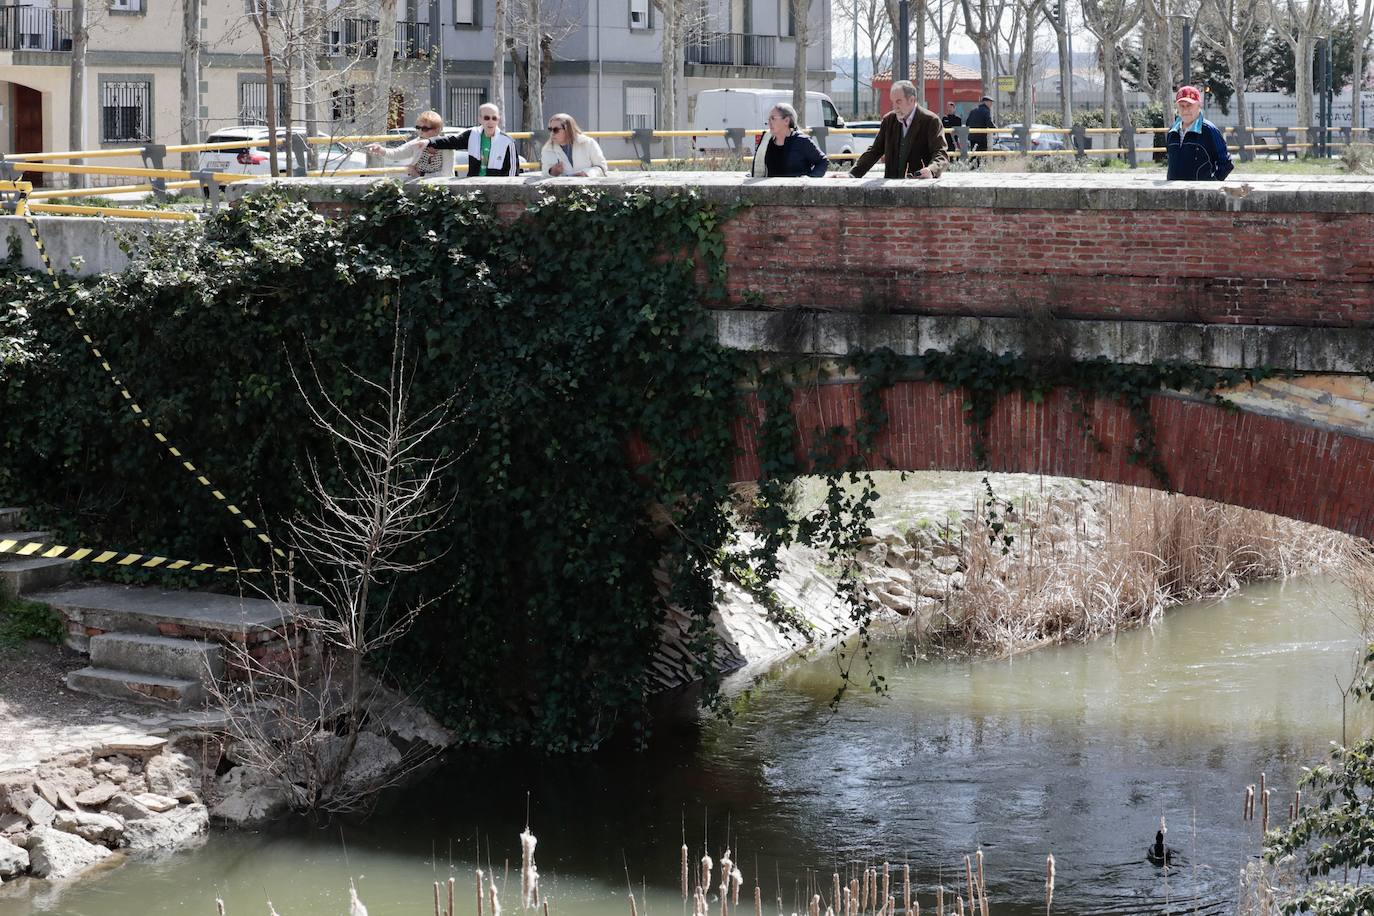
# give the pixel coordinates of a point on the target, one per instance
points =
(786, 152)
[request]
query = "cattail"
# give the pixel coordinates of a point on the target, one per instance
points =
(758, 901)
(848, 908)
(706, 864)
(1049, 882)
(438, 909)
(634, 911)
(219, 906)
(968, 875)
(891, 906)
(1297, 804)
(736, 879)
(835, 889)
(939, 900)
(887, 879)
(982, 884)
(906, 888)
(355, 906)
(815, 907)
(1262, 784)
(684, 871)
(546, 908)
(480, 888)
(451, 883)
(1248, 804)
(529, 875)
(699, 902)
(854, 896)
(864, 893)
(495, 898)
(727, 868)
(958, 906)
(830, 911)
(1264, 824)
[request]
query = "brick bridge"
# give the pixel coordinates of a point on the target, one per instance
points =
(1129, 268)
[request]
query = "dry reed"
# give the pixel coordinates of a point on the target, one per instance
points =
(1076, 573)
(684, 871)
(1049, 883)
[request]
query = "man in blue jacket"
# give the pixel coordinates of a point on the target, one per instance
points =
(1197, 150)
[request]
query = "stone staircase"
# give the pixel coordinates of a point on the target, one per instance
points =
(156, 646)
(26, 574)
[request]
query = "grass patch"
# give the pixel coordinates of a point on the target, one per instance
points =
(21, 620)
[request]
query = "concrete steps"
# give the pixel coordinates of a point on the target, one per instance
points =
(152, 645)
(21, 575)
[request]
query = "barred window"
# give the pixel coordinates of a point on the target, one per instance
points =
(463, 102)
(641, 107)
(253, 102)
(343, 104)
(465, 12)
(126, 111)
(126, 6)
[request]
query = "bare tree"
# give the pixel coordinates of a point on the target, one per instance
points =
(298, 727)
(1299, 22)
(386, 56)
(981, 21)
(314, 17)
(261, 17)
(801, 29)
(536, 27)
(1362, 21)
(190, 78)
(680, 22)
(1230, 24)
(875, 31)
(1110, 21)
(1157, 49)
(944, 17)
(499, 26)
(1033, 11)
(76, 125)
(1058, 15)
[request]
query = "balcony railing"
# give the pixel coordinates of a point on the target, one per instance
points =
(733, 49)
(35, 28)
(358, 38)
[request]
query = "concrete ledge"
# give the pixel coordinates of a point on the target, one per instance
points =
(1144, 190)
(80, 245)
(1297, 349)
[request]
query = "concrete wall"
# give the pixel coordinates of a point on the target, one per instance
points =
(79, 244)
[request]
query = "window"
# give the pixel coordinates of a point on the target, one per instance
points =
(465, 12)
(639, 14)
(463, 102)
(787, 15)
(126, 6)
(126, 111)
(253, 102)
(343, 104)
(641, 107)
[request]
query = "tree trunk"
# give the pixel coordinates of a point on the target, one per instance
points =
(918, 16)
(190, 79)
(1110, 82)
(76, 124)
(262, 23)
(1236, 62)
(944, 56)
(667, 102)
(310, 70)
(1362, 28)
(498, 56)
(801, 16)
(1164, 60)
(386, 58)
(534, 77)
(1303, 51)
(1025, 74)
(1065, 79)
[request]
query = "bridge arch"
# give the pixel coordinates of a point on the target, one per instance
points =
(1275, 464)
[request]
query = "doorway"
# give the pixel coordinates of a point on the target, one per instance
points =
(28, 126)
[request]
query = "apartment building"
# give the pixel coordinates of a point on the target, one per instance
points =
(605, 69)
(134, 71)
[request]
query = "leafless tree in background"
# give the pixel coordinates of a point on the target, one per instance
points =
(1111, 21)
(1299, 22)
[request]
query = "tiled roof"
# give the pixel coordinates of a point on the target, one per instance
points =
(952, 72)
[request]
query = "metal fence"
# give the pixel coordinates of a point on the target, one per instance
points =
(35, 28)
(733, 49)
(463, 102)
(358, 38)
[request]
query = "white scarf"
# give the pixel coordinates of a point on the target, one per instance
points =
(501, 145)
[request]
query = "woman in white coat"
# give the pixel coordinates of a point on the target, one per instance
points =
(421, 161)
(569, 152)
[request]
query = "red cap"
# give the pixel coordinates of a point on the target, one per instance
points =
(1190, 94)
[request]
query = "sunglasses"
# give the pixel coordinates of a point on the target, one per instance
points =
(491, 117)
(555, 128)
(426, 126)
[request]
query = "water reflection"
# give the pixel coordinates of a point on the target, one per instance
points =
(1077, 750)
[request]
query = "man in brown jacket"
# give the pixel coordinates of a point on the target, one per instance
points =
(910, 141)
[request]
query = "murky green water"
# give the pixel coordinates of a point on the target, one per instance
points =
(1077, 751)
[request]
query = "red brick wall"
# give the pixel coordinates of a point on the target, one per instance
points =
(1229, 456)
(1213, 267)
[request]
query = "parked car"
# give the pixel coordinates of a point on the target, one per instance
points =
(1038, 138)
(255, 160)
(718, 109)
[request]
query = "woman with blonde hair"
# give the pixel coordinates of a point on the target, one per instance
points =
(569, 152)
(422, 161)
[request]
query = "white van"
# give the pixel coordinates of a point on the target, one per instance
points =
(720, 109)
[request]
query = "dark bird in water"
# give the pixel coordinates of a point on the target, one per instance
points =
(1160, 854)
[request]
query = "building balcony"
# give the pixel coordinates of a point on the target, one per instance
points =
(358, 38)
(735, 49)
(35, 28)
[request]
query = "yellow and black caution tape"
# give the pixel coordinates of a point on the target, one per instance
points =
(42, 551)
(133, 404)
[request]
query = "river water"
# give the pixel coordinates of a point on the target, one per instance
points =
(1076, 750)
